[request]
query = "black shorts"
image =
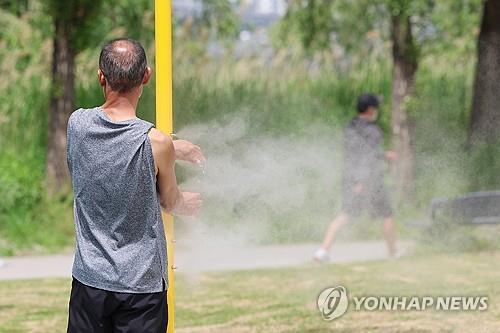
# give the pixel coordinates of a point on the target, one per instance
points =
(93, 310)
(373, 199)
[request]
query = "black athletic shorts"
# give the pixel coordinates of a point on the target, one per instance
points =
(374, 199)
(93, 310)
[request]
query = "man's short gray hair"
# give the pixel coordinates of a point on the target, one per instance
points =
(123, 63)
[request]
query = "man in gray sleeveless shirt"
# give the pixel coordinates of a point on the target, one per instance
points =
(122, 171)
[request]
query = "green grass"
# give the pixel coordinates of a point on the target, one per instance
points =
(283, 300)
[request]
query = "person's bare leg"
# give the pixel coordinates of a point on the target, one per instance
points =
(333, 229)
(390, 235)
(322, 253)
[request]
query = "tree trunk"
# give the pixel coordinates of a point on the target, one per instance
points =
(485, 113)
(62, 101)
(404, 68)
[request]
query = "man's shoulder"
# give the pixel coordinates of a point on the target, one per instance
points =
(162, 146)
(160, 141)
(149, 125)
(358, 122)
(158, 136)
(78, 113)
(75, 113)
(352, 124)
(74, 119)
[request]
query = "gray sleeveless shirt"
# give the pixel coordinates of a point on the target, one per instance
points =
(120, 240)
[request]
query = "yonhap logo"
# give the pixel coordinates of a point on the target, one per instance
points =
(333, 302)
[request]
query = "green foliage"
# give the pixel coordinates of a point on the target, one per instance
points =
(77, 19)
(220, 18)
(409, 8)
(218, 22)
(16, 7)
(454, 36)
(19, 183)
(28, 219)
(435, 31)
(135, 18)
(311, 20)
(203, 93)
(484, 160)
(90, 22)
(442, 101)
(319, 23)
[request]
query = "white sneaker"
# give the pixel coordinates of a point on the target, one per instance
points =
(396, 255)
(321, 255)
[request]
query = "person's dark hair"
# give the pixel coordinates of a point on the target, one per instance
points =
(367, 100)
(123, 63)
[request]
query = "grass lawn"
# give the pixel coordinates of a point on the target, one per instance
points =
(284, 300)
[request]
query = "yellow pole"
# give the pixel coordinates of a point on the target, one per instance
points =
(164, 120)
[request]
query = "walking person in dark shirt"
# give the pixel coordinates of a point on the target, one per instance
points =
(363, 176)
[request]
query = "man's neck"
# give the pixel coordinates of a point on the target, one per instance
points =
(120, 106)
(364, 116)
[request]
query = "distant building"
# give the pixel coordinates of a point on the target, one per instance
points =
(256, 13)
(187, 8)
(256, 16)
(262, 13)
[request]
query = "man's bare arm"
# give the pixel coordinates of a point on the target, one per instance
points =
(189, 152)
(171, 198)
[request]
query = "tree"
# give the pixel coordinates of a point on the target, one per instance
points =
(485, 114)
(72, 21)
(405, 61)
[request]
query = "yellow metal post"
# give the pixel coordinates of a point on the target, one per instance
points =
(164, 119)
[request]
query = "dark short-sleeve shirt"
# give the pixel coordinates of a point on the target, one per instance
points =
(363, 153)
